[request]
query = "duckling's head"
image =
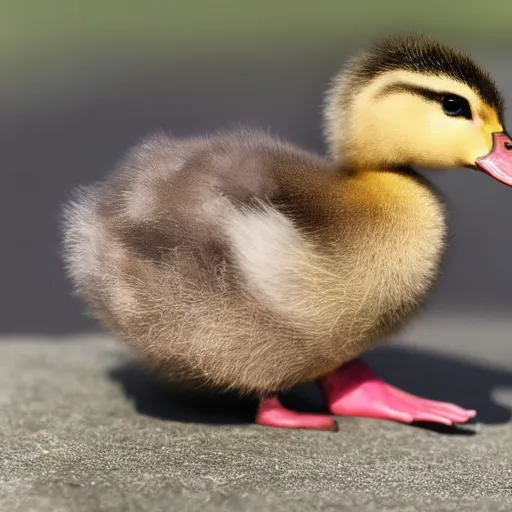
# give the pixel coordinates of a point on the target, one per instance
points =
(412, 101)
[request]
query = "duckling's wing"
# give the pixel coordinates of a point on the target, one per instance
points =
(206, 194)
(192, 251)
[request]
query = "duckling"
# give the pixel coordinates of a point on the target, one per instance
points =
(241, 262)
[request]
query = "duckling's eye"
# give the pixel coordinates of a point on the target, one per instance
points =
(455, 106)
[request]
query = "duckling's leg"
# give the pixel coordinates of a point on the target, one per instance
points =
(354, 390)
(272, 414)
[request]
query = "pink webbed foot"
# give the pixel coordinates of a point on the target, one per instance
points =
(272, 414)
(354, 390)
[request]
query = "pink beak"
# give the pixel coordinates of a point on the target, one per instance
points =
(498, 163)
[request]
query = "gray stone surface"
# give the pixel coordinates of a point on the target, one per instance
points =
(83, 428)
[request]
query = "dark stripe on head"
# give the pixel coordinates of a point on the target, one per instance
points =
(432, 95)
(424, 92)
(423, 55)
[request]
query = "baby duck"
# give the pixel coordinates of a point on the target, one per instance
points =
(241, 262)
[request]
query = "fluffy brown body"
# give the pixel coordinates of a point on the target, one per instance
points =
(248, 263)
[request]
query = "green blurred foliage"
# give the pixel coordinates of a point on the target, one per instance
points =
(60, 27)
(49, 42)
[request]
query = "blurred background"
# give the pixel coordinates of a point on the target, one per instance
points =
(81, 82)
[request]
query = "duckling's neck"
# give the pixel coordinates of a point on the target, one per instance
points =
(397, 206)
(389, 189)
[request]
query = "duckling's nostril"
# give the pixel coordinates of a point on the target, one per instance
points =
(508, 146)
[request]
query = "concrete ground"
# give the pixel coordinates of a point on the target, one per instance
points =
(84, 428)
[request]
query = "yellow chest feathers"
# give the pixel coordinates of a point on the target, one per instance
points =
(390, 239)
(397, 223)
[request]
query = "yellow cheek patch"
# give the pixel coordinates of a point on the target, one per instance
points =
(490, 119)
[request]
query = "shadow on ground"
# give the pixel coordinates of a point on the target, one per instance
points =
(173, 402)
(427, 374)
